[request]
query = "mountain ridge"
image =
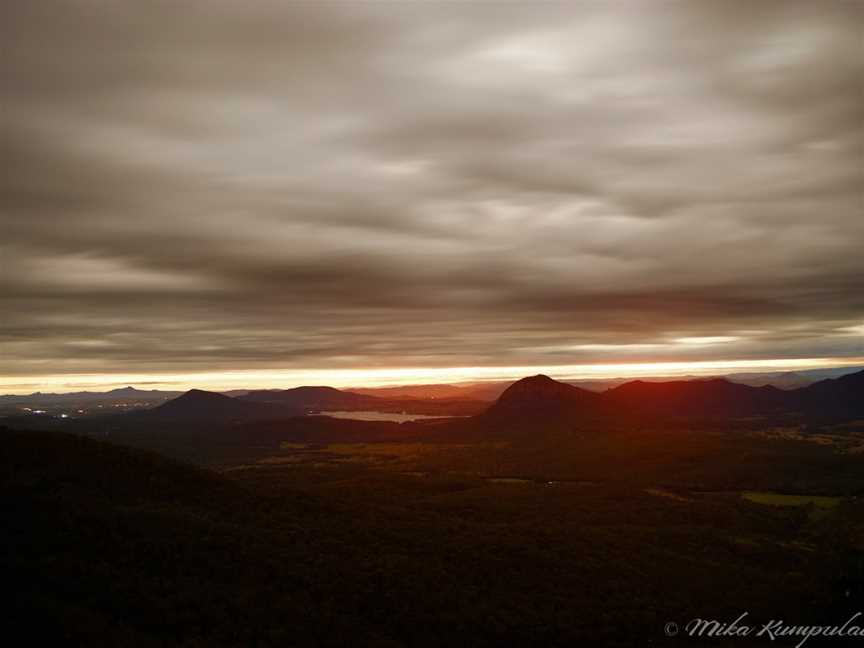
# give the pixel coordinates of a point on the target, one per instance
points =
(202, 405)
(543, 398)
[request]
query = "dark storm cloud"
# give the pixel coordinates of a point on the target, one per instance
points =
(222, 185)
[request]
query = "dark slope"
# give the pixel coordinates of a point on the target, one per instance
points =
(105, 546)
(109, 546)
(832, 398)
(73, 467)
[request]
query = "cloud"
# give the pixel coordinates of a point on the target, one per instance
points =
(215, 185)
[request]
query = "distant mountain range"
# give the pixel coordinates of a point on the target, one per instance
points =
(525, 403)
(540, 398)
(331, 398)
(199, 425)
(790, 379)
(123, 393)
(491, 390)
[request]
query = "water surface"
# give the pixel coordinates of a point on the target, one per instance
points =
(380, 416)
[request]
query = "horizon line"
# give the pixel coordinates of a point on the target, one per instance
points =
(395, 377)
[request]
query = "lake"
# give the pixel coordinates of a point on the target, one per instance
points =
(379, 416)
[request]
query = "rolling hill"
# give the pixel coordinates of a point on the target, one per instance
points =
(312, 398)
(200, 405)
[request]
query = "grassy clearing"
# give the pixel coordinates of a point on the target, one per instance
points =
(778, 499)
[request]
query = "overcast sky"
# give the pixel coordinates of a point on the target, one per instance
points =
(213, 186)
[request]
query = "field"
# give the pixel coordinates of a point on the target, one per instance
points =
(779, 499)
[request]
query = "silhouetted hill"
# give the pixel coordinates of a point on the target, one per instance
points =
(312, 398)
(716, 398)
(132, 391)
(790, 379)
(199, 405)
(833, 397)
(540, 398)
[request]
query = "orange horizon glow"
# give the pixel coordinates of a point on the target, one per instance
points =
(385, 377)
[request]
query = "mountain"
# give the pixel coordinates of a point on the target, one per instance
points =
(123, 393)
(713, 398)
(840, 398)
(790, 379)
(199, 405)
(540, 398)
(133, 392)
(312, 398)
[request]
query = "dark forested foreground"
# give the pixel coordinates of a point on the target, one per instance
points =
(571, 538)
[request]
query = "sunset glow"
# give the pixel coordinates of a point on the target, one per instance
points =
(285, 379)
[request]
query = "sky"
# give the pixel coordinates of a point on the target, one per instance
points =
(246, 193)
